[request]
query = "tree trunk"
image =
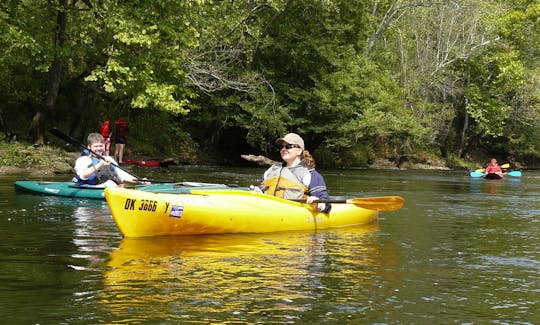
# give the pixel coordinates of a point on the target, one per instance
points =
(37, 127)
(462, 140)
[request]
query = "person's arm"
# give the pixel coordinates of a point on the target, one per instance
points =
(122, 175)
(317, 191)
(84, 167)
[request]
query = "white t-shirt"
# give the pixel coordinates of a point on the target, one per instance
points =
(84, 162)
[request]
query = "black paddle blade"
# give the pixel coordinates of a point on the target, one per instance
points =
(65, 137)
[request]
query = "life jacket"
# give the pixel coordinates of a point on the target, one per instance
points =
(286, 182)
(493, 169)
(104, 129)
(102, 174)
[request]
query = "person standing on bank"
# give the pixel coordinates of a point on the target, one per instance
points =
(92, 170)
(121, 131)
(105, 131)
(296, 177)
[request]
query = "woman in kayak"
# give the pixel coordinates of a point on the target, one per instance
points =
(296, 177)
(494, 168)
(92, 170)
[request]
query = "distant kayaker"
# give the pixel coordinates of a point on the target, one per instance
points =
(92, 170)
(494, 168)
(296, 177)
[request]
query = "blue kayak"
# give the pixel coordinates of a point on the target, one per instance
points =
(69, 189)
(514, 173)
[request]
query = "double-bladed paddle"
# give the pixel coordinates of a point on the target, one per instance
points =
(75, 142)
(380, 203)
(513, 173)
(482, 170)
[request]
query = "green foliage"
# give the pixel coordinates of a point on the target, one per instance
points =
(493, 80)
(358, 79)
(144, 60)
(157, 135)
(20, 155)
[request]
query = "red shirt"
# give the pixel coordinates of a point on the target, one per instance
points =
(493, 168)
(104, 129)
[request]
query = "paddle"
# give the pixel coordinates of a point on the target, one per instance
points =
(476, 174)
(483, 170)
(514, 173)
(381, 203)
(73, 141)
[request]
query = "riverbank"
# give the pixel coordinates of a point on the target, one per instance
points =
(20, 158)
(17, 157)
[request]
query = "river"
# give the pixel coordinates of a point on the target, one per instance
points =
(461, 250)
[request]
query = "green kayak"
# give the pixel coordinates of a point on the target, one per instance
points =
(69, 189)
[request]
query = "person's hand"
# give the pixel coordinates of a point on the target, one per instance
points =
(313, 202)
(144, 181)
(106, 160)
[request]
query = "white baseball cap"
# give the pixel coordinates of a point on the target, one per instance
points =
(292, 138)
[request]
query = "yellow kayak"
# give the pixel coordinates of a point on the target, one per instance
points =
(142, 214)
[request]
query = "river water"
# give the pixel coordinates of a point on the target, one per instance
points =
(461, 251)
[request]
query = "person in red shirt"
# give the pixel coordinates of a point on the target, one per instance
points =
(105, 131)
(121, 132)
(494, 168)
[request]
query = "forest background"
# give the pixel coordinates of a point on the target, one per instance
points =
(207, 80)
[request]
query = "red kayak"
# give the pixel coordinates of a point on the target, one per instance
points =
(130, 161)
(143, 163)
(149, 163)
(493, 176)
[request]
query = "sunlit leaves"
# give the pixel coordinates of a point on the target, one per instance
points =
(488, 113)
(145, 57)
(160, 96)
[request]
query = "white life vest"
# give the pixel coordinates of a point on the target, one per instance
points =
(287, 182)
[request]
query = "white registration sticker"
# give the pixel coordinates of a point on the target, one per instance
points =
(176, 211)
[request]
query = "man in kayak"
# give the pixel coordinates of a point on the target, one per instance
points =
(296, 177)
(92, 170)
(494, 168)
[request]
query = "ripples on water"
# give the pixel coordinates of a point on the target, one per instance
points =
(273, 277)
(460, 251)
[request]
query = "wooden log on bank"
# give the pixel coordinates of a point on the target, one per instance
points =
(260, 160)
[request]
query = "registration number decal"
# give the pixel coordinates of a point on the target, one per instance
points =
(144, 205)
(148, 205)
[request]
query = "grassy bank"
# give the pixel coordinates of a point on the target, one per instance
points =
(44, 160)
(16, 157)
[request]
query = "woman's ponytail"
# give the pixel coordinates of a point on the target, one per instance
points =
(308, 159)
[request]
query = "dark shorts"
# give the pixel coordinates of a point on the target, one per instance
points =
(121, 140)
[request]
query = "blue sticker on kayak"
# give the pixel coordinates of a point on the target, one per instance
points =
(176, 211)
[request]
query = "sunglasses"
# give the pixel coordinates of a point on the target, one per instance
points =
(289, 146)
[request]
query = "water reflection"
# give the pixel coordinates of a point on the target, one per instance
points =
(494, 186)
(94, 235)
(273, 275)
